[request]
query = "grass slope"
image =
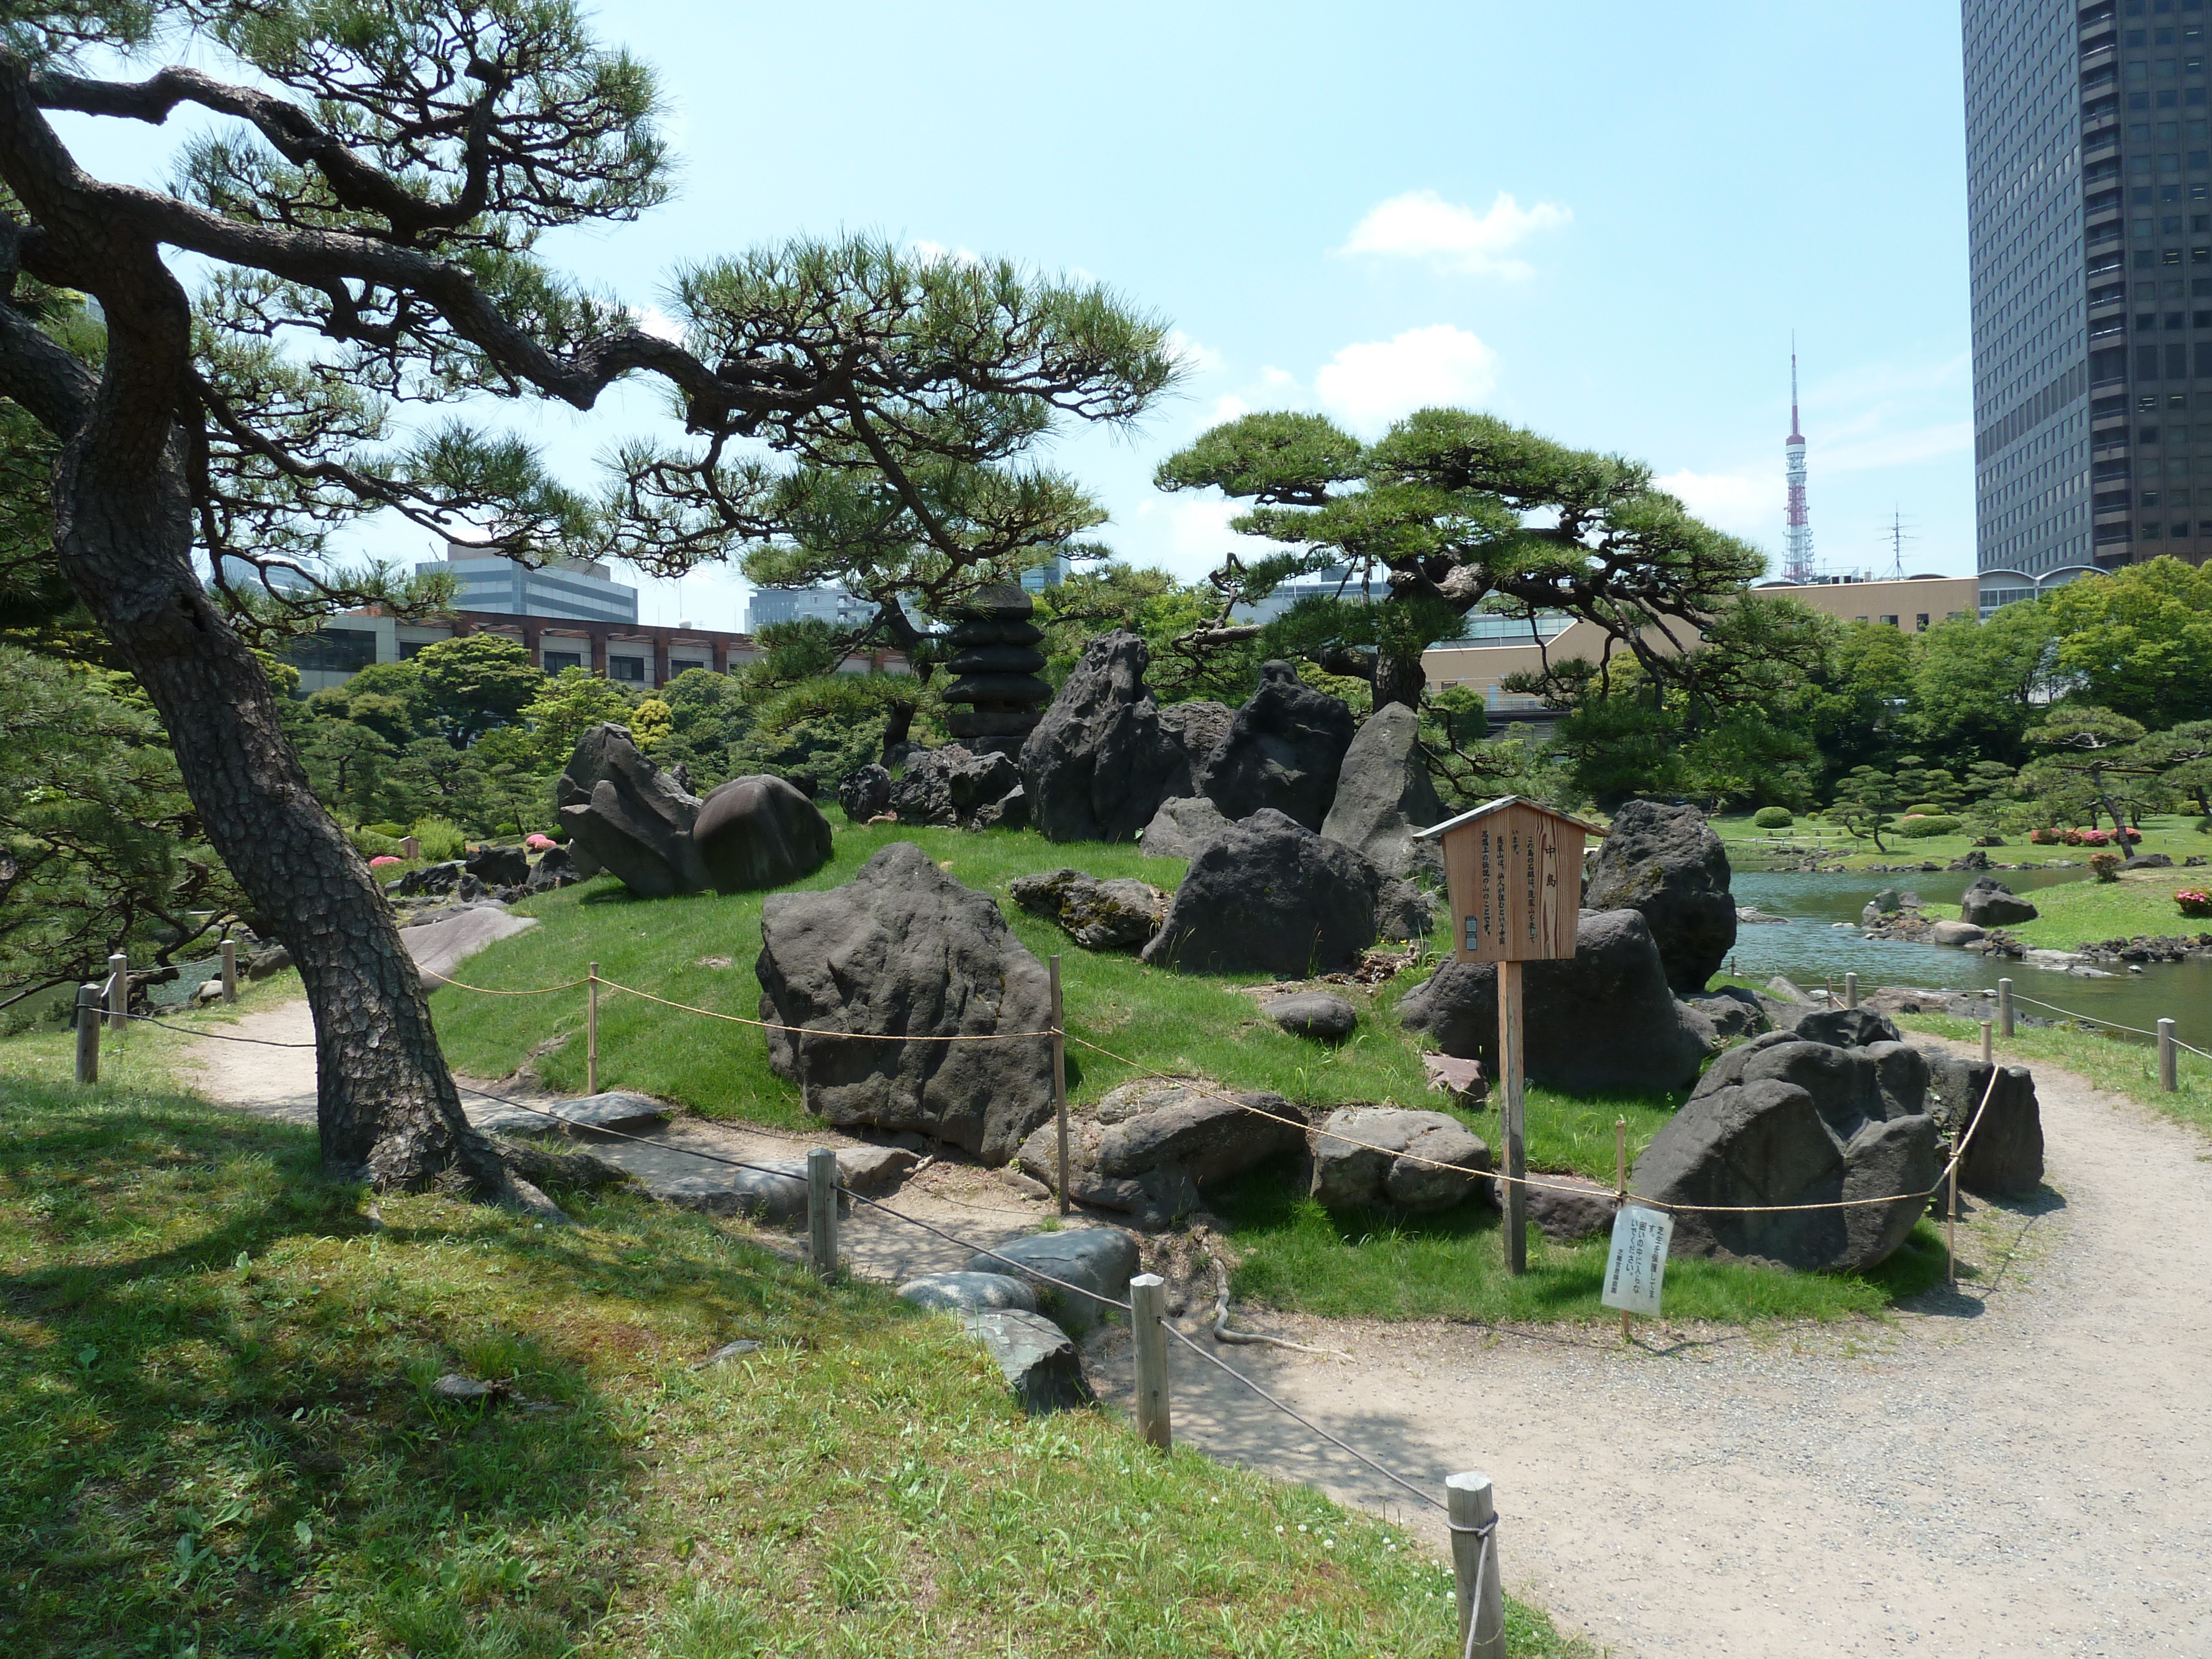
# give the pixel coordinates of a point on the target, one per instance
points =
(216, 1418)
(2090, 912)
(1296, 1257)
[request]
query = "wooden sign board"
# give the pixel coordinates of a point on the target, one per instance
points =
(1514, 870)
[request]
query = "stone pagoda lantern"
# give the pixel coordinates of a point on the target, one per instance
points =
(996, 693)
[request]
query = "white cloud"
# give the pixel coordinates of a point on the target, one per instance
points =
(1372, 383)
(1190, 355)
(1727, 500)
(1229, 407)
(932, 251)
(1422, 225)
(660, 324)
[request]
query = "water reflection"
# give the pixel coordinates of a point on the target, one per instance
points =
(1811, 951)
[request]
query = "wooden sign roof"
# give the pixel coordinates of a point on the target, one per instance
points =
(1499, 805)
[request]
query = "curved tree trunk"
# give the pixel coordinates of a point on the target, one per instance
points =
(1399, 679)
(385, 1105)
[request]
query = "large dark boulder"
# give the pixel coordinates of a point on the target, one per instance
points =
(1269, 895)
(1100, 762)
(554, 868)
(1284, 750)
(1788, 1122)
(629, 816)
(2005, 1156)
(948, 786)
(1197, 728)
(755, 832)
(1383, 795)
(864, 791)
(1152, 1146)
(1990, 903)
(1121, 914)
(1603, 1019)
(903, 949)
(499, 866)
(1667, 862)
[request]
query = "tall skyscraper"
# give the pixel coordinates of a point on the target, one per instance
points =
(2089, 178)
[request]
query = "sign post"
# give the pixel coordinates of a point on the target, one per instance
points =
(1514, 870)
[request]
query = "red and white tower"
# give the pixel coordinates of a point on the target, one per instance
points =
(1797, 554)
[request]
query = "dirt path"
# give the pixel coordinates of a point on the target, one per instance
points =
(280, 1083)
(2024, 1468)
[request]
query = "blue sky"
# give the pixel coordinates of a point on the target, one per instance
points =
(1601, 221)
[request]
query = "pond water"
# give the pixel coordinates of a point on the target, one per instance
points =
(1811, 951)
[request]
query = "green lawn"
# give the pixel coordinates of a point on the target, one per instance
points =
(2088, 911)
(1170, 1022)
(217, 1422)
(2175, 835)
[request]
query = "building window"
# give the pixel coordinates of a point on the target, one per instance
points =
(333, 651)
(2149, 498)
(684, 664)
(1887, 622)
(409, 647)
(1921, 622)
(2170, 256)
(557, 662)
(631, 669)
(2150, 532)
(2147, 435)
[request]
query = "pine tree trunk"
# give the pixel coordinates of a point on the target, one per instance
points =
(385, 1105)
(1399, 679)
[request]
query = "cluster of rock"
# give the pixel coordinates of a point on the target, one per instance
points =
(958, 788)
(2147, 948)
(1840, 1112)
(626, 815)
(1401, 1161)
(880, 973)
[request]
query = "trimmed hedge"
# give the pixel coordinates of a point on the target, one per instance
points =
(1919, 829)
(1772, 817)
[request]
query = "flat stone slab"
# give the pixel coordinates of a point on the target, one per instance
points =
(775, 1191)
(1040, 1362)
(1100, 1260)
(440, 946)
(615, 1109)
(970, 1293)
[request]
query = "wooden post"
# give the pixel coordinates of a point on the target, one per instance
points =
(2169, 1058)
(1516, 1139)
(1059, 1079)
(88, 1033)
(230, 970)
(1988, 1043)
(1850, 990)
(821, 1211)
(1148, 1306)
(2004, 1007)
(119, 991)
(1468, 1502)
(1620, 1192)
(592, 1030)
(1951, 1227)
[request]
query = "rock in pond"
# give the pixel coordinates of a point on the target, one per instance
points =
(903, 949)
(1990, 903)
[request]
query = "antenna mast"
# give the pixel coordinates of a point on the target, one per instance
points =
(1898, 538)
(1797, 556)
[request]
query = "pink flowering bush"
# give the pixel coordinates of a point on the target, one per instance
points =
(383, 858)
(2194, 902)
(2101, 838)
(539, 843)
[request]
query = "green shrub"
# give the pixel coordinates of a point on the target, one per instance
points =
(440, 839)
(1919, 829)
(394, 830)
(371, 843)
(1925, 810)
(1772, 817)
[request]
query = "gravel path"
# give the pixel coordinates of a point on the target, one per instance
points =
(2022, 1468)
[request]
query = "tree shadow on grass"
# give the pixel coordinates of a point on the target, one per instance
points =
(216, 1404)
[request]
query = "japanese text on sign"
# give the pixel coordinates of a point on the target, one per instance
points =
(1637, 1268)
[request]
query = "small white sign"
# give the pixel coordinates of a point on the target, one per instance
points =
(1637, 1269)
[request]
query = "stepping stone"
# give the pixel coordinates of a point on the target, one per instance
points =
(615, 1110)
(1100, 1259)
(1039, 1359)
(969, 1294)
